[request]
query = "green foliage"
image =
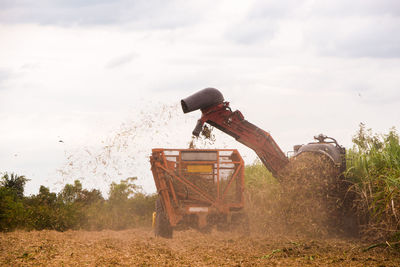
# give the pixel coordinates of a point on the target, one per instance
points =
(71, 193)
(262, 191)
(11, 210)
(374, 171)
(14, 183)
(41, 210)
(74, 207)
(258, 176)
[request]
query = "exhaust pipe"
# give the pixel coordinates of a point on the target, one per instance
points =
(202, 99)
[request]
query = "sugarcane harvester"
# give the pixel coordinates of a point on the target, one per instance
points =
(218, 113)
(200, 188)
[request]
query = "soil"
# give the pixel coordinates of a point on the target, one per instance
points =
(139, 247)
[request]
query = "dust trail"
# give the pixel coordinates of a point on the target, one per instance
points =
(125, 152)
(311, 195)
(309, 199)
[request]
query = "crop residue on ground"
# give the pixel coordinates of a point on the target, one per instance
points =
(139, 247)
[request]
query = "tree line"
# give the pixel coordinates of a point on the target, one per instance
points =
(73, 207)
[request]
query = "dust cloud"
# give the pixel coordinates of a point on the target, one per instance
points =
(309, 200)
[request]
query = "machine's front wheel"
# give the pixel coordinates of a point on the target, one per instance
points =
(162, 226)
(240, 223)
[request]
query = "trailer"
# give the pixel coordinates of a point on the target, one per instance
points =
(198, 188)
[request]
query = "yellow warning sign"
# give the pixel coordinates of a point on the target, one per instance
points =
(199, 168)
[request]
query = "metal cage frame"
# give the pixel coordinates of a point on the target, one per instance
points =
(169, 168)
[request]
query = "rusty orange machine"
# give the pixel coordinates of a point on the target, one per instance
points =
(198, 188)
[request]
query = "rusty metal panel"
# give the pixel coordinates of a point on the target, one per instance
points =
(199, 155)
(200, 168)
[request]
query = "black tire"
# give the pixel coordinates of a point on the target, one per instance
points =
(162, 226)
(222, 224)
(223, 227)
(240, 223)
(206, 230)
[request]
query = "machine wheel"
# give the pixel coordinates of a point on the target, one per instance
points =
(162, 227)
(206, 230)
(240, 223)
(223, 225)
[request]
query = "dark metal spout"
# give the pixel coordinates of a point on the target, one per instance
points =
(202, 99)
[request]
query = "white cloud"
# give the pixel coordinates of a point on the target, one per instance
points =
(355, 36)
(140, 14)
(357, 8)
(4, 76)
(120, 61)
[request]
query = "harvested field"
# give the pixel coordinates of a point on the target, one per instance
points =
(139, 247)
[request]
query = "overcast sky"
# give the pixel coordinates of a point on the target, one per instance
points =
(106, 78)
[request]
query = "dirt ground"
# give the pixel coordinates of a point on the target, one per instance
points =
(139, 247)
